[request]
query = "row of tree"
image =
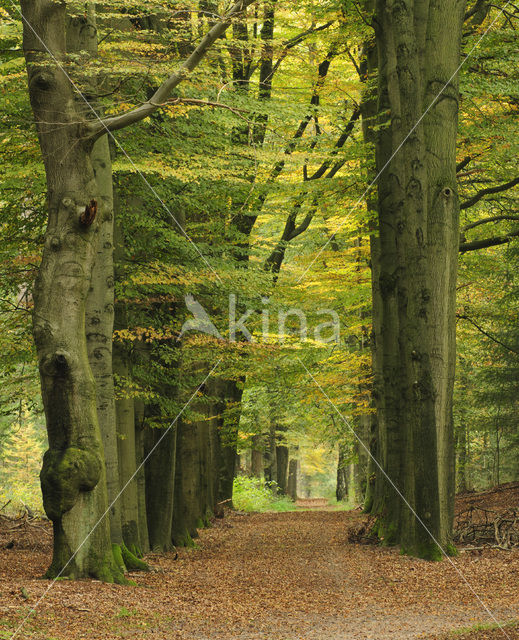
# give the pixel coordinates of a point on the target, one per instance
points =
(233, 166)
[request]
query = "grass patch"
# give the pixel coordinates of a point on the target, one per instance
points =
(484, 626)
(343, 505)
(253, 495)
(126, 613)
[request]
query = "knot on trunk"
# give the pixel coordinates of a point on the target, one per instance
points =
(58, 363)
(64, 474)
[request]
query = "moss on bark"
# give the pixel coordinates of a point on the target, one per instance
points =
(131, 561)
(64, 474)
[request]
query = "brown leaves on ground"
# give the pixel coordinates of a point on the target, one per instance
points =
(272, 576)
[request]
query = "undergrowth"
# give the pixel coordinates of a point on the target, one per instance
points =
(252, 494)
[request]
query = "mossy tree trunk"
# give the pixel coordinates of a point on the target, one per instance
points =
(81, 35)
(418, 210)
(73, 474)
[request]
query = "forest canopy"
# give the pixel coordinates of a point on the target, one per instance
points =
(260, 240)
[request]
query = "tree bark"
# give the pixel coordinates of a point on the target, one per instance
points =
(125, 421)
(271, 469)
(293, 473)
(418, 215)
(341, 488)
(281, 462)
(186, 503)
(160, 485)
(73, 476)
(138, 410)
(256, 457)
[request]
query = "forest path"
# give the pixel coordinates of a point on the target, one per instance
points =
(271, 576)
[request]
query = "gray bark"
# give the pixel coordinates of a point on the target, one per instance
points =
(293, 474)
(418, 212)
(73, 475)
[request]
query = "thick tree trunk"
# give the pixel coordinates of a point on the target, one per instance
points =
(160, 482)
(186, 503)
(138, 407)
(418, 213)
(73, 475)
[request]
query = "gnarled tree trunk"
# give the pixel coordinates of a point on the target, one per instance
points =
(73, 475)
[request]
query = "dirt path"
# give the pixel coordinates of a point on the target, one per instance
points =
(286, 576)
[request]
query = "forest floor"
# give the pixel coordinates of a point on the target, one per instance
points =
(269, 576)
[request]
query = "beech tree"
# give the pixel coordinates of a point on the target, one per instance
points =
(73, 474)
(415, 264)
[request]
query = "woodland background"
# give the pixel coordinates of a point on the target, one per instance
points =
(287, 149)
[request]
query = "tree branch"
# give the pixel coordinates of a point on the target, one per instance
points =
(461, 165)
(338, 145)
(96, 128)
(485, 333)
(488, 242)
(290, 44)
(485, 192)
(472, 225)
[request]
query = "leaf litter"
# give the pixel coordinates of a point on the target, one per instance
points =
(269, 576)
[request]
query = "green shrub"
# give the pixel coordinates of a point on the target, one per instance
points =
(252, 494)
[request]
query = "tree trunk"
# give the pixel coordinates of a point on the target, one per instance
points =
(418, 212)
(341, 489)
(228, 413)
(256, 457)
(463, 484)
(186, 504)
(73, 475)
(138, 407)
(160, 482)
(125, 420)
(293, 472)
(282, 468)
(271, 467)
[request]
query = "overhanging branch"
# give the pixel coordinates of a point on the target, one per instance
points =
(485, 333)
(488, 242)
(472, 225)
(96, 128)
(490, 190)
